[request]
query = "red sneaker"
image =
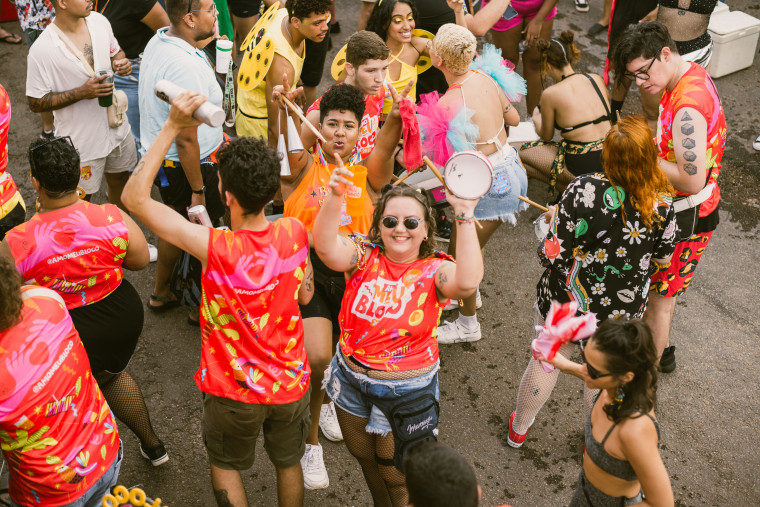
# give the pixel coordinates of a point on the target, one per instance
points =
(513, 438)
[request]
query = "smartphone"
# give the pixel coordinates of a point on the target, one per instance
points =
(509, 13)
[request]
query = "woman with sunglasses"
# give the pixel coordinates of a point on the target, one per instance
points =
(79, 250)
(577, 105)
(621, 460)
(383, 378)
(602, 238)
(394, 22)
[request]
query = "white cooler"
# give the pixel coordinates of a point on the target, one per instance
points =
(735, 36)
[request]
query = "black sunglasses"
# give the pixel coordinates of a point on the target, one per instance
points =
(593, 373)
(390, 222)
(32, 149)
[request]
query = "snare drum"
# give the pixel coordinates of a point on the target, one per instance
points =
(468, 174)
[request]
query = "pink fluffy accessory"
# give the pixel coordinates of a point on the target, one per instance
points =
(561, 326)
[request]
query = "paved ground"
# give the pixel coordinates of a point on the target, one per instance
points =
(708, 408)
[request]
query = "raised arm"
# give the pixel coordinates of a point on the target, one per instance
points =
(298, 161)
(456, 281)
(689, 172)
(486, 17)
(458, 7)
(158, 217)
(281, 71)
(337, 252)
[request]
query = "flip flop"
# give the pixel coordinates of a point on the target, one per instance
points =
(193, 318)
(168, 302)
(597, 28)
(11, 38)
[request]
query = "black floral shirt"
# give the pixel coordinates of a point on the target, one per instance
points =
(598, 256)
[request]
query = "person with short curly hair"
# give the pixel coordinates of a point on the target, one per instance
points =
(253, 370)
(297, 21)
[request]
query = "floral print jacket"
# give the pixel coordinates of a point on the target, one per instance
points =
(598, 251)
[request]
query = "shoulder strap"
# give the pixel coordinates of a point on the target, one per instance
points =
(72, 48)
(601, 97)
(656, 425)
(608, 433)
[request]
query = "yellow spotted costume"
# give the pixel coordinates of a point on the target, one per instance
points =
(263, 41)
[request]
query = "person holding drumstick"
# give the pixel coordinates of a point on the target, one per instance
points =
(605, 236)
(384, 377)
(452, 52)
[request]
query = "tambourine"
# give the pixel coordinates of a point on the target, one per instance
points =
(468, 174)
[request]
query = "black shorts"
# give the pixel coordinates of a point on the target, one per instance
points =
(587, 163)
(244, 8)
(314, 63)
(109, 328)
(178, 194)
(329, 287)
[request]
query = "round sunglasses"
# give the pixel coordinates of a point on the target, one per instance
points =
(390, 222)
(593, 373)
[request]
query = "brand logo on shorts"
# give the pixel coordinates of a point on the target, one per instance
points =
(85, 172)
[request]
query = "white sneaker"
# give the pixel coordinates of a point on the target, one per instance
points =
(454, 332)
(454, 305)
(328, 422)
(581, 5)
(153, 252)
(313, 466)
(756, 144)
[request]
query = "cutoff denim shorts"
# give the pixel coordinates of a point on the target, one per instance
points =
(509, 181)
(347, 389)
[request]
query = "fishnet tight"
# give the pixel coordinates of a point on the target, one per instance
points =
(538, 163)
(386, 484)
(126, 401)
(535, 388)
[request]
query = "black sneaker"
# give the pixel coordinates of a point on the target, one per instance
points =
(47, 135)
(157, 455)
(668, 360)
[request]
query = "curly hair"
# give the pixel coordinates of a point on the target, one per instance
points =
(628, 346)
(249, 169)
(438, 476)
(302, 9)
(558, 52)
(380, 19)
(342, 97)
(428, 246)
(629, 158)
(10, 294)
(644, 40)
(55, 164)
(456, 45)
(363, 46)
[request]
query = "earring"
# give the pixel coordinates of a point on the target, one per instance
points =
(619, 397)
(192, 27)
(37, 204)
(81, 193)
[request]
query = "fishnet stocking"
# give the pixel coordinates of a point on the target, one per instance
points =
(126, 401)
(538, 163)
(386, 484)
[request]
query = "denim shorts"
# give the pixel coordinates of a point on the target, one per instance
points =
(347, 389)
(509, 181)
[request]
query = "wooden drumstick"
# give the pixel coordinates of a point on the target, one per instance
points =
(438, 175)
(306, 122)
(525, 199)
(401, 179)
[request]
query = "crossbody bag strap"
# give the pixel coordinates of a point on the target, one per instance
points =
(73, 48)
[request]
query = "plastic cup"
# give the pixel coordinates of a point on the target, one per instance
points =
(223, 55)
(355, 192)
(107, 100)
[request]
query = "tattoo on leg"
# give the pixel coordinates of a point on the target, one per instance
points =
(222, 499)
(690, 156)
(690, 169)
(688, 143)
(687, 129)
(686, 116)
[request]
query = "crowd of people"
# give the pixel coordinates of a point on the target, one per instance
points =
(319, 286)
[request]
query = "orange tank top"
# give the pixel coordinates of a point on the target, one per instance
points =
(306, 200)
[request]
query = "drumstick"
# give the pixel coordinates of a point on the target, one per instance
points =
(440, 178)
(525, 199)
(401, 179)
(306, 122)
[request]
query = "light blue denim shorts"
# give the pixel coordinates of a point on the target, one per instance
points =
(509, 181)
(347, 389)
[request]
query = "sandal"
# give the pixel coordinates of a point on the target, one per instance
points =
(167, 303)
(11, 38)
(597, 28)
(193, 318)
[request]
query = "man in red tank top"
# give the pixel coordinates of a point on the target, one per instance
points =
(691, 138)
(253, 370)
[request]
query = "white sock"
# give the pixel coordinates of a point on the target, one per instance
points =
(468, 322)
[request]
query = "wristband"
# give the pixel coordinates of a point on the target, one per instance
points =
(199, 192)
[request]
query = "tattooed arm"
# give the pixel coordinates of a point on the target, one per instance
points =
(460, 280)
(91, 89)
(689, 172)
(306, 291)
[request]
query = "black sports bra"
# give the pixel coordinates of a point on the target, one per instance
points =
(695, 6)
(606, 117)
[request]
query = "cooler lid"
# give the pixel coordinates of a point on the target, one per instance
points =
(733, 21)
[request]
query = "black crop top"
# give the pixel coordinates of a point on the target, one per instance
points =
(695, 6)
(606, 117)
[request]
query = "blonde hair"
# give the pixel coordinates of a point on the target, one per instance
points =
(456, 45)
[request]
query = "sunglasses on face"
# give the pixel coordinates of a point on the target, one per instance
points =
(390, 222)
(593, 373)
